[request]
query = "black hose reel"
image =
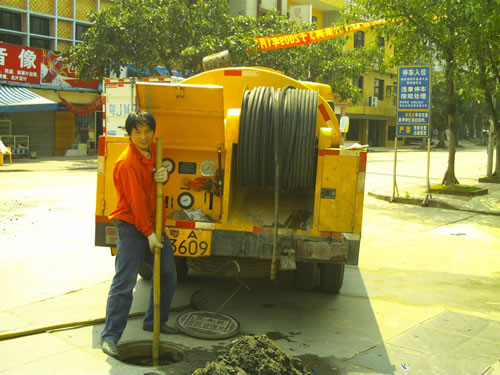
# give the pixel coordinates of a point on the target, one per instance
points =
(278, 124)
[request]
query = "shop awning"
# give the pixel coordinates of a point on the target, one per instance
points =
(21, 99)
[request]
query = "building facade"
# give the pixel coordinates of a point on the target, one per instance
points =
(45, 30)
(373, 120)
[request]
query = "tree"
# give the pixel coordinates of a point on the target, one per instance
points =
(128, 32)
(481, 50)
(426, 31)
(438, 106)
(177, 34)
(327, 61)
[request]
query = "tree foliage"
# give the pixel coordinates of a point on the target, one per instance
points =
(177, 34)
(452, 33)
(480, 52)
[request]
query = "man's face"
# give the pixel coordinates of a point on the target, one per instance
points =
(142, 137)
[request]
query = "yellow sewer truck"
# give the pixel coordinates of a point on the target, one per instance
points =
(258, 182)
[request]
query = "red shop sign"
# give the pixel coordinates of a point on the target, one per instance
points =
(40, 67)
(19, 64)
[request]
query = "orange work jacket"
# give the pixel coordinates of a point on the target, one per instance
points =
(136, 190)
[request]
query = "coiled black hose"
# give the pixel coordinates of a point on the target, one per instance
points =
(289, 113)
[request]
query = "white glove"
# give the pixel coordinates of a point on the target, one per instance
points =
(153, 242)
(161, 175)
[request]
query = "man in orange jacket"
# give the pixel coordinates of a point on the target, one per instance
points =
(134, 178)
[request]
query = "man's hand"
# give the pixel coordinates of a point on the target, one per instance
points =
(153, 242)
(161, 175)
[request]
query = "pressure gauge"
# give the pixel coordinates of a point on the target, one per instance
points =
(208, 168)
(185, 200)
(168, 164)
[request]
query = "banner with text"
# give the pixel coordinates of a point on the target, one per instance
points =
(267, 43)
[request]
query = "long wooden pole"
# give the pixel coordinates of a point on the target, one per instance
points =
(395, 191)
(157, 256)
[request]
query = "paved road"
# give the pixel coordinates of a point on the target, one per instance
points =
(424, 298)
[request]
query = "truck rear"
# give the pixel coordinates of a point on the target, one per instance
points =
(258, 181)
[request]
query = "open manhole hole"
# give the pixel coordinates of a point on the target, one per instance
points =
(208, 325)
(140, 353)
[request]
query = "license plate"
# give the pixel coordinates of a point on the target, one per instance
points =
(190, 242)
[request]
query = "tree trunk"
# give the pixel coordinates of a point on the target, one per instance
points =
(496, 172)
(451, 108)
(442, 143)
(489, 93)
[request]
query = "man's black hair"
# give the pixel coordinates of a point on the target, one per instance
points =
(139, 118)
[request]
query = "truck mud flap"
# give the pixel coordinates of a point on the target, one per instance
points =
(105, 234)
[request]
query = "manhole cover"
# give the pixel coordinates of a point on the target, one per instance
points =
(140, 353)
(208, 325)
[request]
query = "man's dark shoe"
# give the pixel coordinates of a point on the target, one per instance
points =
(110, 348)
(163, 329)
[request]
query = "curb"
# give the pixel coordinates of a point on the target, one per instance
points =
(431, 203)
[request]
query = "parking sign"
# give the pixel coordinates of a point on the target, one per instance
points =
(414, 101)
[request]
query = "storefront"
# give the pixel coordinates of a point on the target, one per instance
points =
(44, 109)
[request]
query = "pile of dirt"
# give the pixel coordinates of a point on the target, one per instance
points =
(249, 355)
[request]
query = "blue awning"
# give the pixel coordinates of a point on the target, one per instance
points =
(21, 99)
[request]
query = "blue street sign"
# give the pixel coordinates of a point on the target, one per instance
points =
(413, 131)
(414, 101)
(412, 117)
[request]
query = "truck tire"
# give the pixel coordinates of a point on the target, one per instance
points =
(332, 277)
(146, 271)
(306, 275)
(181, 267)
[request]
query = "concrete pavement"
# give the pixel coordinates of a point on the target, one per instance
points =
(408, 335)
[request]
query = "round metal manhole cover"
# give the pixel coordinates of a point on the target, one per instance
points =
(208, 325)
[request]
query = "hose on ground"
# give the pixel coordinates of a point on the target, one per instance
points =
(198, 301)
(291, 114)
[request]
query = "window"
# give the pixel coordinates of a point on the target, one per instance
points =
(380, 42)
(10, 20)
(358, 82)
(12, 39)
(379, 89)
(80, 30)
(39, 25)
(389, 91)
(40, 43)
(359, 39)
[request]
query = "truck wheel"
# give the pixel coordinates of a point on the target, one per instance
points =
(181, 267)
(332, 276)
(306, 275)
(146, 271)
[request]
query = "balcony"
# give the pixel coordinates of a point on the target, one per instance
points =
(321, 5)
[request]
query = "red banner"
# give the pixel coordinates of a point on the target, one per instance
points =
(96, 105)
(267, 43)
(40, 67)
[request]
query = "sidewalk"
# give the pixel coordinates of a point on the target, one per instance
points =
(50, 163)
(414, 194)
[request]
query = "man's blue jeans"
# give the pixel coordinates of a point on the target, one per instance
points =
(132, 250)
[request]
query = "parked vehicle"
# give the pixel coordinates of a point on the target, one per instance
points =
(259, 182)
